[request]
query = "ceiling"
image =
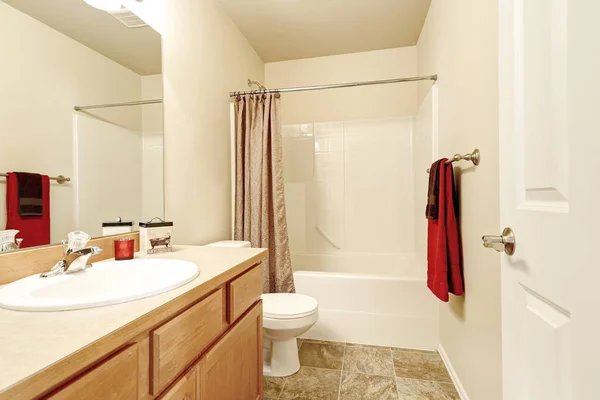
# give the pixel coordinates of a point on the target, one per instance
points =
(138, 49)
(291, 29)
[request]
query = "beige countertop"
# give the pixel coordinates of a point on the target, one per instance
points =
(31, 342)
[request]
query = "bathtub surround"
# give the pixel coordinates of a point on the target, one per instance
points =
(260, 216)
(350, 215)
(347, 216)
(347, 371)
(298, 153)
(459, 43)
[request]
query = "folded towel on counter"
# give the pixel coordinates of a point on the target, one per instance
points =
(30, 194)
(33, 229)
(433, 191)
(444, 248)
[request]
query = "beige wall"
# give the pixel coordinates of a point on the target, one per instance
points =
(204, 58)
(380, 101)
(459, 42)
(43, 74)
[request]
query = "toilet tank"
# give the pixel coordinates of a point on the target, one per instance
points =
(230, 243)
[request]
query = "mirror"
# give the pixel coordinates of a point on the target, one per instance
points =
(58, 55)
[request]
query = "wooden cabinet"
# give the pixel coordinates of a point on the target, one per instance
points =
(114, 379)
(232, 369)
(180, 341)
(185, 388)
(208, 349)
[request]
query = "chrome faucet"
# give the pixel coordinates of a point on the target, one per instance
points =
(73, 261)
(76, 257)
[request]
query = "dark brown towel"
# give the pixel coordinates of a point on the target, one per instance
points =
(433, 192)
(454, 193)
(30, 194)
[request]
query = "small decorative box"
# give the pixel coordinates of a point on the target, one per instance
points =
(155, 236)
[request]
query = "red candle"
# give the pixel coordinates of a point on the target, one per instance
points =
(124, 249)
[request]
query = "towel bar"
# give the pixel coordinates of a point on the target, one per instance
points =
(60, 179)
(474, 157)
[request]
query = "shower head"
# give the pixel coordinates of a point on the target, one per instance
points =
(260, 86)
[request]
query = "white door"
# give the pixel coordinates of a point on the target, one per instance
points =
(549, 68)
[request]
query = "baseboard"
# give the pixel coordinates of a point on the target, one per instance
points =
(459, 387)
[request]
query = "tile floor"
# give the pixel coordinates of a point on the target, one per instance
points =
(345, 371)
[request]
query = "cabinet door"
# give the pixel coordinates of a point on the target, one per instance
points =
(184, 388)
(232, 369)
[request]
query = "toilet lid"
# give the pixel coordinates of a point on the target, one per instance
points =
(288, 305)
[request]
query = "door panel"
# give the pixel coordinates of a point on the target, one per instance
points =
(540, 40)
(547, 337)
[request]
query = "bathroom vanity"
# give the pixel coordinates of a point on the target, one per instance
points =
(200, 341)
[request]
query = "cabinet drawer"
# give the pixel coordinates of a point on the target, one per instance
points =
(180, 341)
(244, 291)
(114, 379)
(185, 388)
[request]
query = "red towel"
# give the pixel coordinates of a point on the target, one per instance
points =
(34, 230)
(444, 258)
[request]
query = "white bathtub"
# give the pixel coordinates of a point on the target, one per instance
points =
(371, 309)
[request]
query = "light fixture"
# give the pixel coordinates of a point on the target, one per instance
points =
(105, 5)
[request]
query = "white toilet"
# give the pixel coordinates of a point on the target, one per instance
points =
(285, 317)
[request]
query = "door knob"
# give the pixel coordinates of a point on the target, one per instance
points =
(504, 242)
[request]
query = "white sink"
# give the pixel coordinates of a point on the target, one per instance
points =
(106, 283)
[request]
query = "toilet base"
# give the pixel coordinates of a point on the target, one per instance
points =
(283, 360)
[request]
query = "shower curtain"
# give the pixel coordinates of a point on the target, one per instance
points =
(259, 190)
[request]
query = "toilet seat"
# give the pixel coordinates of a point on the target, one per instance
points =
(288, 305)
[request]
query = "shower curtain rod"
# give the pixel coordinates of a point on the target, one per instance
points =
(130, 103)
(337, 85)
